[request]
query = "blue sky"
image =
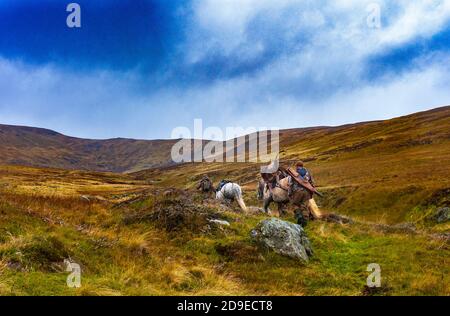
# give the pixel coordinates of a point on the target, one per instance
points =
(140, 68)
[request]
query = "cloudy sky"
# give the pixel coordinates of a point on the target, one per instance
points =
(140, 68)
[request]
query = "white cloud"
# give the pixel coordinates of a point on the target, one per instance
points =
(317, 78)
(97, 104)
(241, 102)
(326, 45)
(104, 104)
(225, 25)
(416, 19)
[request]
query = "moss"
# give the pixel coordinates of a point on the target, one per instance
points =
(43, 251)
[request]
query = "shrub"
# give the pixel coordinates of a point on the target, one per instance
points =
(43, 252)
(177, 215)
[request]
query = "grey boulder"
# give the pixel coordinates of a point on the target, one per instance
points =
(284, 238)
(442, 215)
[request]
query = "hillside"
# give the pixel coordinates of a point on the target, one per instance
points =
(38, 147)
(426, 131)
(148, 232)
(384, 171)
(388, 171)
(106, 223)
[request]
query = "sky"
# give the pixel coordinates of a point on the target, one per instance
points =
(141, 68)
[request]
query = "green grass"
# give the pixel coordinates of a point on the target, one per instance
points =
(144, 259)
(410, 265)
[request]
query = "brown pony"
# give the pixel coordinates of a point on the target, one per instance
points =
(279, 194)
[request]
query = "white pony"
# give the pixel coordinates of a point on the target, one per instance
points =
(230, 192)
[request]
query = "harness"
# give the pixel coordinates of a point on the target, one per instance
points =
(271, 181)
(295, 180)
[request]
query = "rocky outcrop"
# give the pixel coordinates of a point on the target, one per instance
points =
(284, 238)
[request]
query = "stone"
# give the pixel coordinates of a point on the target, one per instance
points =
(219, 222)
(284, 238)
(442, 215)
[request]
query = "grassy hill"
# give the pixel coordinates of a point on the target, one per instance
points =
(37, 147)
(400, 137)
(147, 232)
(387, 171)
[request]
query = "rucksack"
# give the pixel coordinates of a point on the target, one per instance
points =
(221, 184)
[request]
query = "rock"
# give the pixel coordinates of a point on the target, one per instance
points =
(89, 199)
(335, 218)
(219, 222)
(224, 208)
(15, 265)
(252, 210)
(442, 236)
(284, 238)
(176, 214)
(442, 215)
(407, 228)
(401, 228)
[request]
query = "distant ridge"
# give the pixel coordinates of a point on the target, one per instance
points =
(38, 147)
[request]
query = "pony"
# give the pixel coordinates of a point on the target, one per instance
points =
(280, 195)
(231, 192)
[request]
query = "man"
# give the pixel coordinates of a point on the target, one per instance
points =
(301, 196)
(205, 185)
(304, 173)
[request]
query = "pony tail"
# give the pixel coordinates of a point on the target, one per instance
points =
(241, 203)
(312, 205)
(240, 199)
